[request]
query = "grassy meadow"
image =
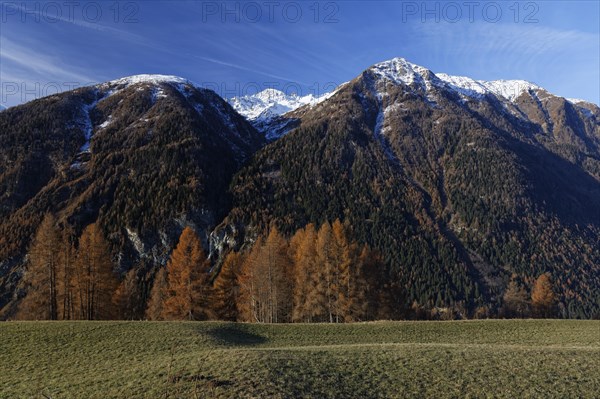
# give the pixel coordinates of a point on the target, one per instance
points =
(461, 359)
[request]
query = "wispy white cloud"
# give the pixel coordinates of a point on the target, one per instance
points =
(41, 64)
(95, 26)
(492, 46)
(243, 68)
(564, 61)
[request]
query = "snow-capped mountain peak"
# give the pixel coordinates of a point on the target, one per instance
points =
(184, 86)
(399, 70)
(156, 81)
(510, 89)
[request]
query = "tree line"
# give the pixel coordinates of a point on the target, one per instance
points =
(316, 275)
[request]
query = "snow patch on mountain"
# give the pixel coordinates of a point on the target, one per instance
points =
(106, 123)
(158, 93)
(578, 101)
(381, 129)
(86, 124)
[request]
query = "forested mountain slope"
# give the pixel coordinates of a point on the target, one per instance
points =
(460, 188)
(144, 156)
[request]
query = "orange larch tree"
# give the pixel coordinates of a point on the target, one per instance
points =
(265, 281)
(41, 302)
(188, 288)
(127, 297)
(94, 281)
(304, 254)
(226, 289)
(516, 301)
(543, 298)
(66, 291)
(157, 295)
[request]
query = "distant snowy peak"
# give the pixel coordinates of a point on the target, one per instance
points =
(270, 103)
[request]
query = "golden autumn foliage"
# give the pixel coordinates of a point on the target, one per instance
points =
(187, 290)
(157, 295)
(226, 289)
(42, 275)
(65, 283)
(306, 299)
(94, 281)
(127, 297)
(543, 298)
(516, 300)
(315, 276)
(264, 280)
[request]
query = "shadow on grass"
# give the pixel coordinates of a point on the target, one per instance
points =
(236, 335)
(200, 379)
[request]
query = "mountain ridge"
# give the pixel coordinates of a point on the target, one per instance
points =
(459, 189)
(266, 110)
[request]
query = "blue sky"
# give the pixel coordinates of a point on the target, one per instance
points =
(237, 48)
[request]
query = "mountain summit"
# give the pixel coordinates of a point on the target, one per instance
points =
(398, 70)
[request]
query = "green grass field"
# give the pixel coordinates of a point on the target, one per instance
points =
(464, 359)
